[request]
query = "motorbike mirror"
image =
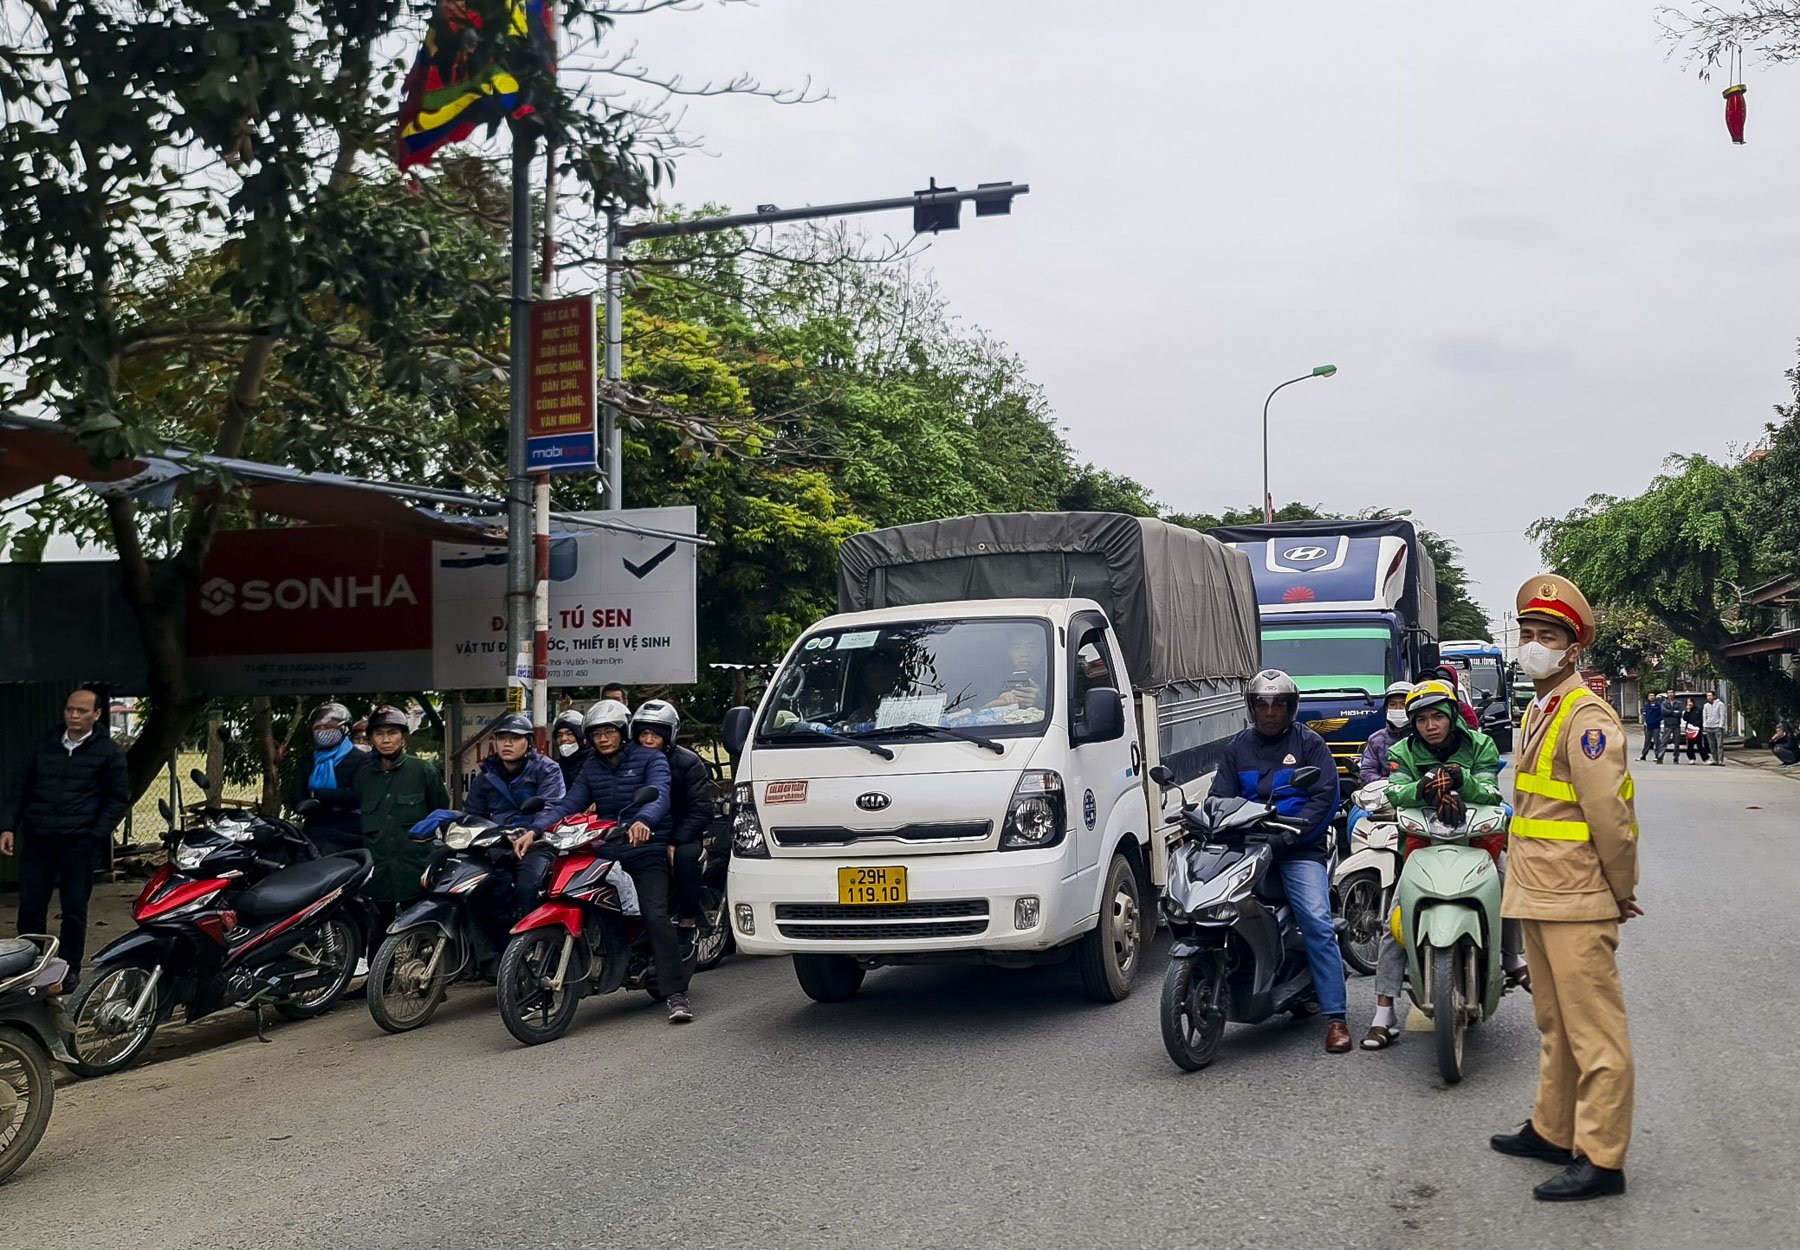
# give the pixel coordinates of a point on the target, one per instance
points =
(533, 805)
(306, 807)
(645, 795)
(162, 805)
(1163, 777)
(1304, 777)
(201, 779)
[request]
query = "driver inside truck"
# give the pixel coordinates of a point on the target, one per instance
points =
(880, 676)
(1023, 687)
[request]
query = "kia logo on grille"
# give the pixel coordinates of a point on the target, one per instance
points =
(1303, 553)
(873, 801)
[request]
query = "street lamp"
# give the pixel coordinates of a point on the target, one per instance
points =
(1320, 371)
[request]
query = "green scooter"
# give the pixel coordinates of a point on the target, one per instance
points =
(1448, 919)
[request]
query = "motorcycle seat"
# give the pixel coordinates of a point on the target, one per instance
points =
(293, 888)
(16, 955)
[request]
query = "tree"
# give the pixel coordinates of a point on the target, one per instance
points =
(1682, 552)
(1707, 35)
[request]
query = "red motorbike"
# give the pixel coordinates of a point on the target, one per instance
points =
(579, 941)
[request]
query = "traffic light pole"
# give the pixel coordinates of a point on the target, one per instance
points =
(935, 208)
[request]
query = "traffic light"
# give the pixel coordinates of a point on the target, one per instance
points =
(931, 215)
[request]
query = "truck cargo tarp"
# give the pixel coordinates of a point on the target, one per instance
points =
(1184, 605)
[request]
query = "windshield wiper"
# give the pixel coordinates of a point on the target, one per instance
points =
(828, 736)
(940, 731)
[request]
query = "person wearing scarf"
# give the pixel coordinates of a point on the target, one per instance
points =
(330, 779)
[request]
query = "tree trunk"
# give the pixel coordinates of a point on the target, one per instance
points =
(263, 722)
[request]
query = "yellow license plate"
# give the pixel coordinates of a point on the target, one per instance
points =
(871, 886)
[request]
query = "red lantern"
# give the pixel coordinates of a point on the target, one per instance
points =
(1735, 111)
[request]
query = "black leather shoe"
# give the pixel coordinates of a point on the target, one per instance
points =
(1527, 1143)
(1580, 1181)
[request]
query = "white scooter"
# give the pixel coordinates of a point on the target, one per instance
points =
(1363, 883)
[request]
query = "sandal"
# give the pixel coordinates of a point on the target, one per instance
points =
(1378, 1038)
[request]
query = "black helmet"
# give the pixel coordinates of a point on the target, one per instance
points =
(515, 723)
(660, 715)
(388, 718)
(1272, 683)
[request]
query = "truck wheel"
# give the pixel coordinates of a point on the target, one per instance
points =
(1108, 955)
(828, 978)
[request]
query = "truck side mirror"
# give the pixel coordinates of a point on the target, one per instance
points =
(1103, 717)
(735, 732)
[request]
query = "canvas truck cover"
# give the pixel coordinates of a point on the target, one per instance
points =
(1183, 605)
(1338, 562)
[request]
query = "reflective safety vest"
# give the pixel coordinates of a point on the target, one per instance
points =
(1542, 782)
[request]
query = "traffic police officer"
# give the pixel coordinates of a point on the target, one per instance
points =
(1572, 874)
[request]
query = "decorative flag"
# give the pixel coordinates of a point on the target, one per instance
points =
(1735, 111)
(455, 84)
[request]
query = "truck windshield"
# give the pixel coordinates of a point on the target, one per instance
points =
(988, 674)
(1321, 657)
(1480, 676)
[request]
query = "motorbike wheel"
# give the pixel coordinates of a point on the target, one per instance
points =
(1108, 953)
(828, 978)
(532, 1013)
(714, 942)
(1448, 1003)
(27, 1093)
(401, 995)
(100, 1043)
(336, 946)
(1193, 1011)
(1364, 919)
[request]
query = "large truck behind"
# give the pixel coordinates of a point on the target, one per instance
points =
(1347, 607)
(955, 766)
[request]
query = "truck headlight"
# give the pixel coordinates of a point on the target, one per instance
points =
(747, 839)
(1035, 818)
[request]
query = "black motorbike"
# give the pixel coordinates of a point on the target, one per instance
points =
(244, 914)
(438, 940)
(1238, 953)
(32, 1027)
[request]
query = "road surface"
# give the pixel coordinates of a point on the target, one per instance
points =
(965, 1107)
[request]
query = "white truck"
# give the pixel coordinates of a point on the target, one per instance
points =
(955, 767)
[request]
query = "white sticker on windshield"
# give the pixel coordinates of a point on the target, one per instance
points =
(922, 709)
(858, 640)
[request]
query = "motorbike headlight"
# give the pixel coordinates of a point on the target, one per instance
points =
(747, 838)
(460, 837)
(1035, 818)
(236, 830)
(188, 856)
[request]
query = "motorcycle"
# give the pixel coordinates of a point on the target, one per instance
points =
(1362, 885)
(437, 941)
(579, 941)
(1449, 922)
(223, 924)
(32, 1028)
(1237, 953)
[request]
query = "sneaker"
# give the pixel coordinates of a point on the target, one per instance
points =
(362, 970)
(679, 1011)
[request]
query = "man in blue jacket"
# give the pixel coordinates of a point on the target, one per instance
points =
(1652, 722)
(617, 770)
(1260, 764)
(503, 783)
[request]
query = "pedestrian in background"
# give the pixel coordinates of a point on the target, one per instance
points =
(72, 792)
(1691, 732)
(395, 792)
(1782, 742)
(1712, 723)
(614, 691)
(1671, 726)
(328, 777)
(1652, 721)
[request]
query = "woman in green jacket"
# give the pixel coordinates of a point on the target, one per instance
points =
(396, 791)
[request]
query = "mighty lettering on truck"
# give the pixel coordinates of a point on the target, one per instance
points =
(954, 767)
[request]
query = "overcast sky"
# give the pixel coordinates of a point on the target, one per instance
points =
(1520, 232)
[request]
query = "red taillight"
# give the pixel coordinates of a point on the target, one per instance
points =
(217, 924)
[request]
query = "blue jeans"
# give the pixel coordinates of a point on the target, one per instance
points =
(1308, 889)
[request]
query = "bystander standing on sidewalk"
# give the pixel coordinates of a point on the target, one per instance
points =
(1670, 737)
(1712, 722)
(1652, 722)
(71, 794)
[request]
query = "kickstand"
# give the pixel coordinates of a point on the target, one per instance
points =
(261, 1034)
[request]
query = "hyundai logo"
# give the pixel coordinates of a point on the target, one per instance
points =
(1304, 553)
(873, 801)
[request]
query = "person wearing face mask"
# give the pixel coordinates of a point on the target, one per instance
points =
(566, 745)
(1373, 764)
(1572, 875)
(329, 777)
(359, 737)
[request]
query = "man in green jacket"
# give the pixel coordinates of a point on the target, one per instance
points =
(396, 791)
(1439, 757)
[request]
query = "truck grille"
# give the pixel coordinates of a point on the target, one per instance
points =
(836, 835)
(835, 922)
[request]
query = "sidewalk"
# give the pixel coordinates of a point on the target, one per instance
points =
(1759, 758)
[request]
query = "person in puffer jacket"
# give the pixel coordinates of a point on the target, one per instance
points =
(1374, 764)
(607, 783)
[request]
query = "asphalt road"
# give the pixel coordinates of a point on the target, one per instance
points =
(961, 1107)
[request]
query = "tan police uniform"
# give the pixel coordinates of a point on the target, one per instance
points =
(1571, 861)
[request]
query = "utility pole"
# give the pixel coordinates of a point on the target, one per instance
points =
(934, 209)
(520, 565)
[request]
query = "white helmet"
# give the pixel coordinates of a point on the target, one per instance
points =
(606, 712)
(573, 721)
(1272, 683)
(332, 714)
(1401, 688)
(660, 715)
